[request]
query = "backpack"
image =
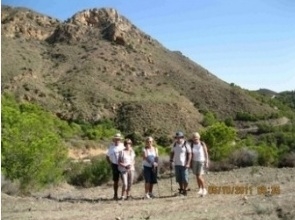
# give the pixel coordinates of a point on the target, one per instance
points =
(184, 144)
(192, 144)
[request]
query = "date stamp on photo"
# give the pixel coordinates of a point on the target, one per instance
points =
(244, 190)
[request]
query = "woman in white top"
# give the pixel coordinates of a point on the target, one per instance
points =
(200, 161)
(126, 167)
(150, 164)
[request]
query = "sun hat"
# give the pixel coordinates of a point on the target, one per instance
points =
(179, 134)
(117, 136)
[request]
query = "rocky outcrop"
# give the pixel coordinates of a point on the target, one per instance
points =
(16, 22)
(112, 26)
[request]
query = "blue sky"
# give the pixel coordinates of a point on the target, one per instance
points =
(250, 43)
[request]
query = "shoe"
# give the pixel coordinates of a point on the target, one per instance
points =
(180, 191)
(147, 196)
(200, 191)
(122, 198)
(184, 192)
(151, 195)
(204, 192)
(115, 197)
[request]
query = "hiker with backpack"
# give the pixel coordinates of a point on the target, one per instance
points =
(126, 163)
(181, 156)
(150, 165)
(200, 161)
(112, 156)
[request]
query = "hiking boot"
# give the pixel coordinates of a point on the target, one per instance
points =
(180, 191)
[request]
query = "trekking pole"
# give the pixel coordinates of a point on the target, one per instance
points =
(156, 173)
(171, 179)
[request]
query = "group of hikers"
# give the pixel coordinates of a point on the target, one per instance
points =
(184, 155)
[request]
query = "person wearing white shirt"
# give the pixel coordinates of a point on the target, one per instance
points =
(150, 163)
(181, 156)
(112, 156)
(200, 161)
(126, 167)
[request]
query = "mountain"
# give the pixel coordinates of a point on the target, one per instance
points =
(98, 65)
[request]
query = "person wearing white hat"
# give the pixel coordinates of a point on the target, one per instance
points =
(112, 156)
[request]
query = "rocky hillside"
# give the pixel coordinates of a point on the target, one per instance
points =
(97, 64)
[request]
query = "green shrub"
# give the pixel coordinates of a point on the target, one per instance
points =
(287, 160)
(209, 119)
(229, 122)
(164, 140)
(89, 174)
(244, 157)
(32, 151)
(104, 129)
(245, 116)
(219, 139)
(135, 137)
(267, 155)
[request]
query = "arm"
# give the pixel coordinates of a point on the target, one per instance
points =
(206, 154)
(108, 159)
(188, 156)
(107, 156)
(157, 155)
(171, 156)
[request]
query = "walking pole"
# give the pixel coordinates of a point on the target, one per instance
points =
(171, 179)
(156, 174)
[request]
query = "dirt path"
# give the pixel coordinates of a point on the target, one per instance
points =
(67, 202)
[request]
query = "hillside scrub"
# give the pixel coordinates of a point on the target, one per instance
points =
(32, 152)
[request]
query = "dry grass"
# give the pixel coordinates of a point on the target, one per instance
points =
(66, 202)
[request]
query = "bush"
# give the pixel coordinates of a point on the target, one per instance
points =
(89, 174)
(209, 119)
(99, 131)
(244, 157)
(32, 151)
(288, 160)
(223, 165)
(267, 155)
(219, 139)
(245, 116)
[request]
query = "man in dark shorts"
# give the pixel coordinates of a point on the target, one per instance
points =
(112, 157)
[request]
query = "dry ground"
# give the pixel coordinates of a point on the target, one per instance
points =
(66, 202)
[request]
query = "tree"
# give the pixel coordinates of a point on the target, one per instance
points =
(32, 151)
(220, 140)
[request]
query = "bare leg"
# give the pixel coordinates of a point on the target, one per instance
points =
(201, 181)
(151, 188)
(198, 181)
(147, 188)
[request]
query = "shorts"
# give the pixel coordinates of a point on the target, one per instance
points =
(181, 174)
(150, 175)
(116, 172)
(198, 167)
